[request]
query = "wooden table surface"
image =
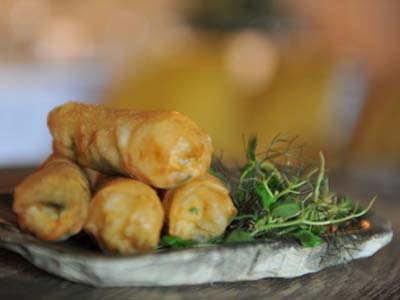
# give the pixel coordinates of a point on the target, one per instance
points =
(372, 278)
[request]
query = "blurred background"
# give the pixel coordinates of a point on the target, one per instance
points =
(325, 70)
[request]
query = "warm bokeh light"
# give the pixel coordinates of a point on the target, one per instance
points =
(326, 71)
(251, 59)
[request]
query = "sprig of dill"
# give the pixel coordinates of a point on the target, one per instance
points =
(278, 196)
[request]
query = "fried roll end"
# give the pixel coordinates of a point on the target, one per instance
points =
(161, 148)
(53, 202)
(126, 216)
(199, 210)
(168, 150)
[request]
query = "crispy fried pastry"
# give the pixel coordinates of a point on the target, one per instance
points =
(125, 216)
(53, 202)
(162, 148)
(198, 210)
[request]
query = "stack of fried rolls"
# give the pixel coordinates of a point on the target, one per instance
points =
(140, 153)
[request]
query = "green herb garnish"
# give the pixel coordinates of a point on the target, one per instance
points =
(276, 195)
(169, 241)
(307, 238)
(238, 235)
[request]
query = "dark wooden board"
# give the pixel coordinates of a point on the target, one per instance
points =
(377, 277)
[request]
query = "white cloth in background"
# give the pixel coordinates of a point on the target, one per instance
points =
(28, 93)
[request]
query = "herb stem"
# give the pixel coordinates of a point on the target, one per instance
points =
(291, 189)
(301, 221)
(320, 177)
(244, 217)
(248, 169)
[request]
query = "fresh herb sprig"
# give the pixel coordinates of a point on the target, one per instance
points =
(277, 196)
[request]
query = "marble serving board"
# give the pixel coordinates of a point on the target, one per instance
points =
(78, 259)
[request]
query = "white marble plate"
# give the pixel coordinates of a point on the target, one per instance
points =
(78, 260)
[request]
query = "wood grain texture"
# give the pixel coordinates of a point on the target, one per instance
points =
(377, 277)
(79, 260)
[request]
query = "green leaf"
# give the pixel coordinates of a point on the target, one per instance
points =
(251, 148)
(345, 205)
(239, 236)
(216, 240)
(261, 222)
(266, 196)
(346, 201)
(175, 242)
(317, 229)
(307, 238)
(285, 210)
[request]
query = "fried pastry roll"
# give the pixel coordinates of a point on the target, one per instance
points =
(53, 202)
(125, 216)
(199, 210)
(162, 148)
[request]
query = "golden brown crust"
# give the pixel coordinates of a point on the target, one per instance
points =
(53, 202)
(125, 217)
(162, 148)
(198, 210)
